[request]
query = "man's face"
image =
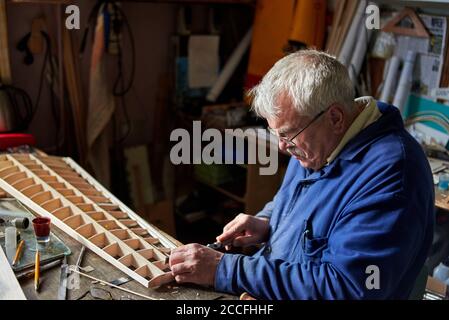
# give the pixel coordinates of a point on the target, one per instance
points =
(315, 143)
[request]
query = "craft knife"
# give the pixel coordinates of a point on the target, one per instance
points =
(219, 245)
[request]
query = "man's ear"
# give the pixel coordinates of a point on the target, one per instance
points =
(336, 117)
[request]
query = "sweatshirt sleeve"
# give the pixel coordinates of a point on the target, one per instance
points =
(383, 229)
(267, 211)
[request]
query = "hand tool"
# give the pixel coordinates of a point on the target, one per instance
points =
(216, 245)
(219, 245)
(47, 266)
(62, 290)
(80, 258)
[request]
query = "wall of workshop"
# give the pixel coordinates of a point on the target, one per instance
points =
(152, 25)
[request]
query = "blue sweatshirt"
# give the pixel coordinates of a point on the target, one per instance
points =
(369, 213)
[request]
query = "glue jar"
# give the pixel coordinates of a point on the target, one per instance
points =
(10, 242)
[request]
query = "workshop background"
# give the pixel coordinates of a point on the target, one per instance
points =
(110, 93)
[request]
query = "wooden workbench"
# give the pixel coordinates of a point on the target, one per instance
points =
(105, 271)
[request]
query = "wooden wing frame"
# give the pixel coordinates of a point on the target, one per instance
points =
(79, 205)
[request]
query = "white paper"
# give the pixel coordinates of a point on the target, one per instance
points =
(203, 61)
(429, 62)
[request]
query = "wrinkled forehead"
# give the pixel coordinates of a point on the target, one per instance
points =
(287, 116)
(284, 105)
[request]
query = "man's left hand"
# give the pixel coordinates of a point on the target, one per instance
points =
(194, 263)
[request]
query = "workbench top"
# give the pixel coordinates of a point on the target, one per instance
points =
(105, 271)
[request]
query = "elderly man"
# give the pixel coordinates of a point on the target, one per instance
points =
(354, 216)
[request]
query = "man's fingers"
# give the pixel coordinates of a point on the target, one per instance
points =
(181, 268)
(181, 248)
(178, 255)
(175, 258)
(231, 233)
(182, 278)
(243, 241)
(230, 225)
(239, 220)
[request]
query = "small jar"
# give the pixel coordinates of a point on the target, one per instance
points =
(441, 272)
(443, 183)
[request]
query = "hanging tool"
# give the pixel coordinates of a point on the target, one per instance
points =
(36, 40)
(62, 291)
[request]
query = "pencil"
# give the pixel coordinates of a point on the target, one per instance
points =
(18, 252)
(36, 271)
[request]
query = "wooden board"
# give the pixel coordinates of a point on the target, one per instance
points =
(346, 20)
(5, 69)
(9, 286)
(74, 88)
(418, 29)
(332, 37)
(58, 188)
(106, 271)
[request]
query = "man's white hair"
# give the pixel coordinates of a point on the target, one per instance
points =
(313, 80)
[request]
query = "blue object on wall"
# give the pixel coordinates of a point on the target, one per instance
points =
(417, 103)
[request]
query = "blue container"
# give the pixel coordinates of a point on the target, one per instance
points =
(443, 183)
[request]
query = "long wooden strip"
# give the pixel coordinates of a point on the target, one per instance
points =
(5, 69)
(112, 285)
(330, 47)
(74, 89)
(9, 286)
(348, 15)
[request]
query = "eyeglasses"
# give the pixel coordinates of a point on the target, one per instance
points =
(102, 294)
(290, 142)
(98, 294)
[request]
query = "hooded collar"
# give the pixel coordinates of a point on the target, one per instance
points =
(369, 114)
(389, 121)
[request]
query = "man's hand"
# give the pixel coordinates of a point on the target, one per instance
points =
(245, 230)
(194, 263)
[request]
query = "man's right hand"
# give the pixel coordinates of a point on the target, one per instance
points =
(245, 230)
